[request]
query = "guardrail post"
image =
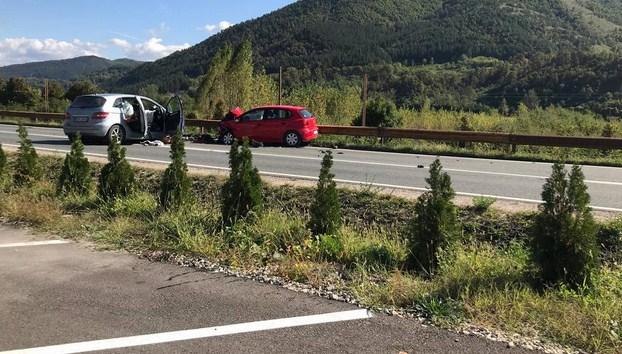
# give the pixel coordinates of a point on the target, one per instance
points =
(513, 146)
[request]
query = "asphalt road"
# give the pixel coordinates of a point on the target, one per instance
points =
(65, 298)
(505, 180)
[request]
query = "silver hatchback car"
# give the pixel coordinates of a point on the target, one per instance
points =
(123, 117)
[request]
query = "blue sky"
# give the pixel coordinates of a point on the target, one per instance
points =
(34, 30)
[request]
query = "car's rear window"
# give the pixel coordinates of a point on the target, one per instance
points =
(306, 114)
(88, 102)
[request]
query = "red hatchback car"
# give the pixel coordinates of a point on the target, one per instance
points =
(288, 125)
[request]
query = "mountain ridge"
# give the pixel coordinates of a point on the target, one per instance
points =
(66, 69)
(338, 33)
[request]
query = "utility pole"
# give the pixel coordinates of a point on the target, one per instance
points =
(280, 85)
(364, 99)
(46, 95)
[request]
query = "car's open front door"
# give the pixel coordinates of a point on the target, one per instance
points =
(174, 116)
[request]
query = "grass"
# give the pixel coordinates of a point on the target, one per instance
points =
(487, 281)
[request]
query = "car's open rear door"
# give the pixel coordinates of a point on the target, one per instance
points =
(174, 116)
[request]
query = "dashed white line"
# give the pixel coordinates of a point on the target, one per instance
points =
(168, 337)
(33, 243)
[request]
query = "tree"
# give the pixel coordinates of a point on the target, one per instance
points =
(18, 92)
(531, 100)
(117, 177)
(434, 226)
(212, 87)
(242, 193)
(175, 185)
(239, 78)
(27, 168)
(326, 210)
(381, 112)
(56, 97)
(504, 108)
(75, 177)
(80, 88)
(564, 236)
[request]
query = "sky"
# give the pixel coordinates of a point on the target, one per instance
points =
(36, 30)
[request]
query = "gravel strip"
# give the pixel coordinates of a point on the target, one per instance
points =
(266, 275)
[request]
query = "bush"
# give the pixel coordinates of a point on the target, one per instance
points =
(610, 240)
(3, 168)
(565, 234)
(75, 177)
(242, 193)
(27, 168)
(435, 225)
(325, 210)
(137, 204)
(482, 204)
(117, 177)
(175, 184)
(330, 247)
(381, 112)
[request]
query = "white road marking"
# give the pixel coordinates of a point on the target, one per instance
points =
(356, 162)
(431, 155)
(369, 163)
(354, 151)
(33, 243)
(167, 337)
(314, 178)
(32, 134)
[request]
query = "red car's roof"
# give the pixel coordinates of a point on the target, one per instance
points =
(294, 108)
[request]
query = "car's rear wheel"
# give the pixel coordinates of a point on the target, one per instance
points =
(292, 139)
(116, 132)
(227, 138)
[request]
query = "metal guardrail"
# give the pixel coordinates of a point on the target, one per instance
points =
(436, 135)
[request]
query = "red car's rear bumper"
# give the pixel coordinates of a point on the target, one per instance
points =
(309, 134)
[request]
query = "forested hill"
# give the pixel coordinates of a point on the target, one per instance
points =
(341, 33)
(68, 69)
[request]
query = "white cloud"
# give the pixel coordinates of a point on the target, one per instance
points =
(122, 43)
(149, 50)
(221, 26)
(22, 50)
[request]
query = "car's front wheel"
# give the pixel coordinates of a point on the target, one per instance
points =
(117, 133)
(292, 139)
(227, 138)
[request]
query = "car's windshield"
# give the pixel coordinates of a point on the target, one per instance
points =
(88, 102)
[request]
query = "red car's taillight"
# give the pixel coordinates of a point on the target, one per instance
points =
(100, 115)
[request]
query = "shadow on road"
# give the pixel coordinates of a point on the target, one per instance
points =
(52, 142)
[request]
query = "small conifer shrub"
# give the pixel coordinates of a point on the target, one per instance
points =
(75, 177)
(326, 210)
(242, 194)
(565, 235)
(175, 185)
(434, 227)
(117, 177)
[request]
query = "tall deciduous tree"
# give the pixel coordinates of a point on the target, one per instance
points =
(80, 88)
(240, 76)
(211, 92)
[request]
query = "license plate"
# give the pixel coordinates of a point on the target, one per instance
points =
(81, 119)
